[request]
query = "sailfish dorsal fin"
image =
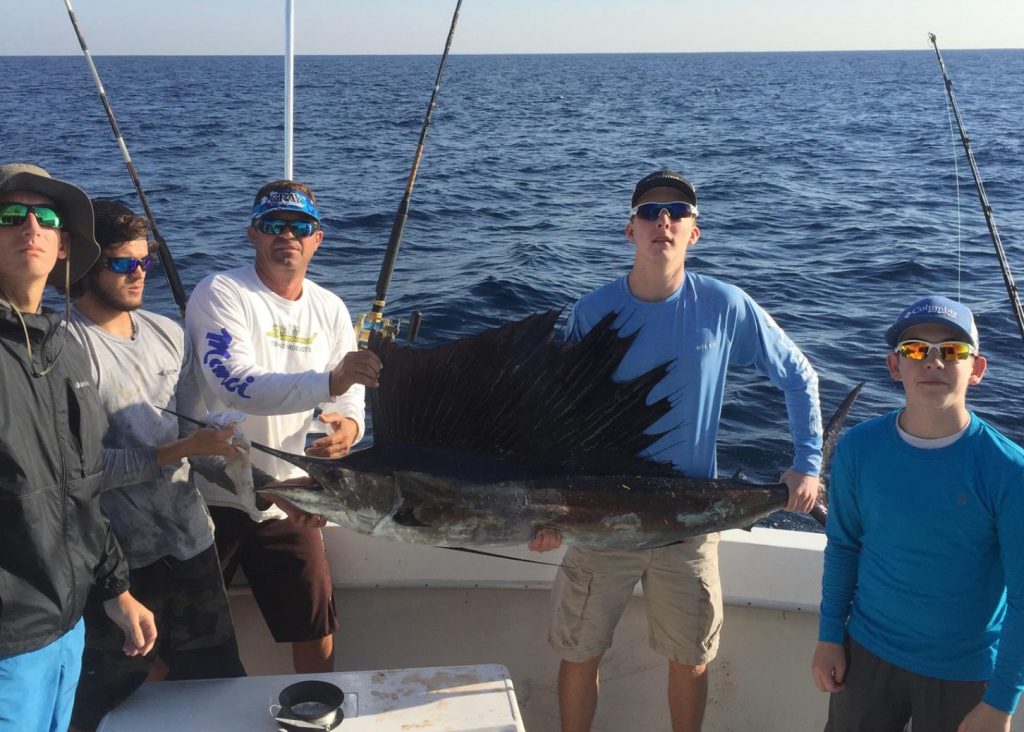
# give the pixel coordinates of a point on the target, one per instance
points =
(516, 393)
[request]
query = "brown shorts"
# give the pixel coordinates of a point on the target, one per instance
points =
(286, 566)
(680, 584)
(881, 697)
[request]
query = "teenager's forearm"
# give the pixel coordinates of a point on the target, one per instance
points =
(128, 466)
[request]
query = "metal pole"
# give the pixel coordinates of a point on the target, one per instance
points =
(289, 85)
(166, 261)
(1011, 287)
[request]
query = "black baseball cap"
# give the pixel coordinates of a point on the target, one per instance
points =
(665, 179)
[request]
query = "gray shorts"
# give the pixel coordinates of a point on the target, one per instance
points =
(681, 586)
(881, 697)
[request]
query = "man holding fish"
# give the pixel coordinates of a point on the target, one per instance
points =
(704, 327)
(274, 345)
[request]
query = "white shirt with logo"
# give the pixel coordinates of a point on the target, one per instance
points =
(270, 358)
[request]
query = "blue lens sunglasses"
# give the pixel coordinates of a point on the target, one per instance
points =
(276, 227)
(127, 265)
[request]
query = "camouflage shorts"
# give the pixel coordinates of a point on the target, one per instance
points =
(187, 598)
(195, 637)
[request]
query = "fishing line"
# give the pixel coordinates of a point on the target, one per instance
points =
(1011, 287)
(170, 271)
(956, 180)
(498, 556)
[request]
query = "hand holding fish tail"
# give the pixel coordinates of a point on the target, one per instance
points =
(357, 367)
(985, 718)
(135, 620)
(828, 666)
(339, 442)
(545, 540)
(803, 490)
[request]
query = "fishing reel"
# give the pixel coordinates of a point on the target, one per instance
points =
(373, 321)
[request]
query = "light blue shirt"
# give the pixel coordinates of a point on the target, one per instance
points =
(703, 329)
(925, 556)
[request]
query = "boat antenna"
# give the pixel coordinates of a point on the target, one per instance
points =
(1011, 287)
(289, 86)
(166, 261)
(375, 320)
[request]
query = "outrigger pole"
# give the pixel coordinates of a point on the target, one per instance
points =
(289, 85)
(166, 261)
(1011, 287)
(375, 320)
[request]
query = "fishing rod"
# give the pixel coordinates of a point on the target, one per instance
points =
(166, 261)
(375, 320)
(1011, 287)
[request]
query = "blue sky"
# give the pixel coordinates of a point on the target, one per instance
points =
(510, 26)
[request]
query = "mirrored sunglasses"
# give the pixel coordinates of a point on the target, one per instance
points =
(276, 227)
(950, 351)
(127, 265)
(14, 214)
(676, 210)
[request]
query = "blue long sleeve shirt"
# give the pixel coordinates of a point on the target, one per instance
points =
(925, 556)
(704, 328)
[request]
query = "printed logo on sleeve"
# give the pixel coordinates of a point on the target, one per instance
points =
(215, 358)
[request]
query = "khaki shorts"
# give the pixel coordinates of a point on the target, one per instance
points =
(680, 584)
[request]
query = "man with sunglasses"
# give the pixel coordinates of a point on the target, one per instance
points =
(921, 611)
(56, 546)
(274, 345)
(703, 327)
(142, 364)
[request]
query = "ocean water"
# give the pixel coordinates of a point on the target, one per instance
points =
(830, 186)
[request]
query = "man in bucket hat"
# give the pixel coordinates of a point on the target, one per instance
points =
(921, 614)
(56, 547)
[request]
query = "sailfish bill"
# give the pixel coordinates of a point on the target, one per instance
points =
(485, 440)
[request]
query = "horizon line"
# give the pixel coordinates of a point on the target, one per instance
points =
(512, 53)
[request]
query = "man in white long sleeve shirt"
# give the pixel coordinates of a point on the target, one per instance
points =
(273, 345)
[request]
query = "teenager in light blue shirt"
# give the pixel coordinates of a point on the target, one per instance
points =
(703, 327)
(923, 588)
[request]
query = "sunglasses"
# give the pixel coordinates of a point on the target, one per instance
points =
(299, 229)
(950, 351)
(127, 265)
(14, 214)
(652, 211)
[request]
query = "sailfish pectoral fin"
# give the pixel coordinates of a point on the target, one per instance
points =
(406, 516)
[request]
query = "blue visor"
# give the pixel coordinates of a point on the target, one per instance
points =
(285, 200)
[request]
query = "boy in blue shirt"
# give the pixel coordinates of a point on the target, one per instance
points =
(922, 593)
(703, 327)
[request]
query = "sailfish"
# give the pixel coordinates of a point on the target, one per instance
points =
(485, 440)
